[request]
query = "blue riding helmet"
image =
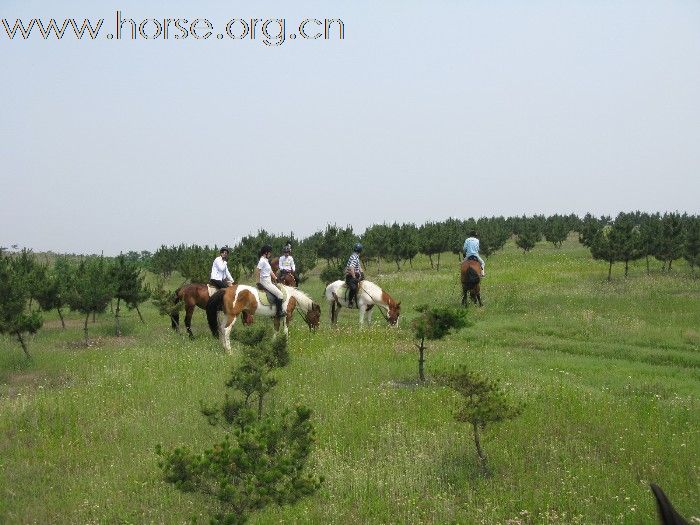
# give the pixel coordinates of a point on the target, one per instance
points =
(358, 247)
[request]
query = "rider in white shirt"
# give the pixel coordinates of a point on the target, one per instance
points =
(266, 278)
(220, 276)
(286, 262)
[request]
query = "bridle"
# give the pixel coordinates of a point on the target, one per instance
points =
(385, 316)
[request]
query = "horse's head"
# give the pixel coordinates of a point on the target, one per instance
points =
(394, 313)
(313, 317)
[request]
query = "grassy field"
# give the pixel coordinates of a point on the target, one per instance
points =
(609, 374)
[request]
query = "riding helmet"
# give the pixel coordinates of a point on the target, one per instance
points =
(224, 249)
(358, 247)
(266, 248)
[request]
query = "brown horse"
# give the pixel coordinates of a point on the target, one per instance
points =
(470, 274)
(192, 295)
(286, 278)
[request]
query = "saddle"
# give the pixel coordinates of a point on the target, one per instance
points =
(344, 292)
(267, 299)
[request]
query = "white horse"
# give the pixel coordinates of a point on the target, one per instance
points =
(368, 296)
(241, 298)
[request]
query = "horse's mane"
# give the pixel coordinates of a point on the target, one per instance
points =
(375, 292)
(304, 300)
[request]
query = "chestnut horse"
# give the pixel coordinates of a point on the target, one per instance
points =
(192, 295)
(368, 296)
(286, 278)
(239, 298)
(470, 274)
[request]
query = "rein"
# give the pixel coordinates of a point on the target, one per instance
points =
(303, 316)
(385, 316)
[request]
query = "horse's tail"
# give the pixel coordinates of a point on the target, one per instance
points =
(175, 317)
(215, 304)
(473, 278)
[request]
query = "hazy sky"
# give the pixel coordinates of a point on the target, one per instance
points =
(425, 110)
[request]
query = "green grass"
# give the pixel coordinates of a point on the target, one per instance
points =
(609, 374)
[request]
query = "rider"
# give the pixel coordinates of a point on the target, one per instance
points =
(286, 261)
(471, 249)
(265, 278)
(220, 276)
(353, 273)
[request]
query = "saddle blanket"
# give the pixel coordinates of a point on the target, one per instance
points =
(211, 289)
(267, 299)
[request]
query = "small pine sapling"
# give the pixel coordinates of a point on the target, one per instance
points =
(434, 324)
(482, 402)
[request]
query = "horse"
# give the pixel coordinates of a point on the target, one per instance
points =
(193, 294)
(667, 514)
(470, 274)
(287, 278)
(368, 295)
(237, 299)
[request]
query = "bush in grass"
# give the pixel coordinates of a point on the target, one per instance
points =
(434, 324)
(263, 458)
(482, 402)
(166, 302)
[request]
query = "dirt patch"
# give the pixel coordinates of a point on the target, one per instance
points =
(70, 323)
(408, 383)
(99, 342)
(19, 382)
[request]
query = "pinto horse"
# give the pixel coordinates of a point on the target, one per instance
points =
(192, 295)
(237, 299)
(369, 295)
(470, 275)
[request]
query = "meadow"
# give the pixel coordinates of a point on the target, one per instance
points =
(609, 374)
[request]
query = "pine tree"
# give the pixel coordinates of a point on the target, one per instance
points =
(528, 234)
(483, 402)
(691, 244)
(14, 296)
(603, 248)
(129, 287)
(556, 230)
(625, 238)
(434, 324)
(649, 235)
(263, 458)
(51, 292)
(670, 243)
(90, 289)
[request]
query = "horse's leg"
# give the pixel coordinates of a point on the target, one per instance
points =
(222, 328)
(478, 295)
(188, 319)
(369, 314)
(334, 312)
(230, 320)
(362, 308)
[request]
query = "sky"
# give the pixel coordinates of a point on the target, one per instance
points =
(425, 110)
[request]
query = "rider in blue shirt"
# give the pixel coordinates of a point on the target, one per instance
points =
(471, 249)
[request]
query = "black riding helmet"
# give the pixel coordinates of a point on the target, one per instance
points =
(223, 249)
(357, 248)
(265, 249)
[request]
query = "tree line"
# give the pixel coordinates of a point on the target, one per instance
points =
(90, 284)
(28, 288)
